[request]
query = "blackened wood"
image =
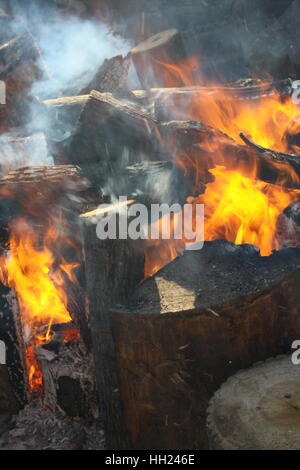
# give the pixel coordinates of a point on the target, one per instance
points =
(150, 56)
(190, 332)
(111, 131)
(11, 334)
(113, 268)
(68, 374)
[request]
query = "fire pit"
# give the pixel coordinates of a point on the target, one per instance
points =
(128, 333)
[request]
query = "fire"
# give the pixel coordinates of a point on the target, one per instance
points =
(32, 270)
(237, 206)
(242, 210)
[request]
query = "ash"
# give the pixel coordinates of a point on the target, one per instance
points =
(37, 428)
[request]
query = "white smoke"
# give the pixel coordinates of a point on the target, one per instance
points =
(73, 49)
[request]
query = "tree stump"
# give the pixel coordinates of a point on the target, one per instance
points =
(199, 320)
(257, 409)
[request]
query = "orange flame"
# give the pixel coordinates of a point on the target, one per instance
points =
(237, 206)
(31, 269)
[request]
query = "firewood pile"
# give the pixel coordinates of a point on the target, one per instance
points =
(139, 357)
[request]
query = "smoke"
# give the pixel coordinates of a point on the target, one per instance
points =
(72, 49)
(20, 152)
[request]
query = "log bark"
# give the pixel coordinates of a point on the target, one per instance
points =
(110, 131)
(111, 76)
(113, 268)
(179, 344)
(11, 334)
(150, 56)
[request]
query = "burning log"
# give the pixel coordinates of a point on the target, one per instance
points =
(11, 333)
(113, 268)
(200, 319)
(109, 128)
(173, 103)
(20, 67)
(286, 164)
(63, 191)
(176, 103)
(215, 147)
(150, 56)
(189, 133)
